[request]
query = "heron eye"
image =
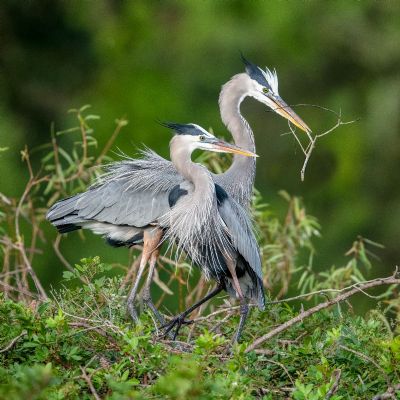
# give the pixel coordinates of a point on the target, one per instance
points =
(266, 90)
(202, 138)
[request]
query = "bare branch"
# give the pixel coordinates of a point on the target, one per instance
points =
(337, 373)
(389, 394)
(369, 359)
(312, 140)
(120, 124)
(5, 199)
(391, 280)
(18, 290)
(326, 291)
(20, 244)
(90, 383)
(56, 247)
(11, 344)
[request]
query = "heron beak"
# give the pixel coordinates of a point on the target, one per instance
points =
(285, 111)
(225, 147)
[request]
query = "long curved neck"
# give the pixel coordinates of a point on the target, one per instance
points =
(192, 172)
(238, 180)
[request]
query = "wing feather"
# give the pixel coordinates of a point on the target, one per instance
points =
(132, 192)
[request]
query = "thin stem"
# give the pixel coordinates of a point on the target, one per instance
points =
(391, 280)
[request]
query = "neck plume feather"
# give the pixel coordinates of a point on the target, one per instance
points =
(194, 223)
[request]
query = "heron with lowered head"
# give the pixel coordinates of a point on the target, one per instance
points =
(135, 192)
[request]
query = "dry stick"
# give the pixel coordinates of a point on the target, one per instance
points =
(15, 271)
(369, 359)
(313, 140)
(18, 290)
(5, 199)
(56, 247)
(32, 182)
(389, 394)
(283, 367)
(391, 280)
(11, 344)
(161, 284)
(35, 232)
(90, 384)
(337, 373)
(98, 329)
(309, 149)
(326, 291)
(120, 124)
(130, 276)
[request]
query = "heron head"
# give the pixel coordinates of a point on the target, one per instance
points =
(263, 86)
(193, 136)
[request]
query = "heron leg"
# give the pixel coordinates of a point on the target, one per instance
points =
(244, 311)
(244, 307)
(151, 241)
(146, 292)
(134, 290)
(179, 320)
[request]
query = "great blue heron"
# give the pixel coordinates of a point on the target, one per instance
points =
(210, 226)
(134, 192)
(202, 219)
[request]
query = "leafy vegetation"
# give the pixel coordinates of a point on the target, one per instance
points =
(77, 342)
(81, 344)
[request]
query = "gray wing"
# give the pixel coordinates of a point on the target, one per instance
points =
(244, 241)
(132, 192)
(241, 232)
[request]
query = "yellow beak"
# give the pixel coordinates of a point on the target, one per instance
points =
(226, 147)
(285, 111)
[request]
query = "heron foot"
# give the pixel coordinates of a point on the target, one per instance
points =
(244, 311)
(132, 312)
(177, 322)
(148, 302)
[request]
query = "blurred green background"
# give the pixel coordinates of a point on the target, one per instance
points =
(149, 60)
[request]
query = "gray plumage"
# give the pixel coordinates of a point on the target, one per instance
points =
(211, 227)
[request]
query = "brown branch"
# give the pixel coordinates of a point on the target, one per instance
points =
(5, 199)
(325, 292)
(281, 366)
(21, 247)
(120, 124)
(11, 344)
(311, 145)
(389, 394)
(56, 247)
(18, 290)
(391, 280)
(369, 359)
(90, 384)
(337, 373)
(98, 329)
(131, 275)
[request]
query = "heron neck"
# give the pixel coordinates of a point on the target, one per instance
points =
(192, 172)
(238, 179)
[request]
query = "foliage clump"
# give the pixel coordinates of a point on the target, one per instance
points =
(82, 345)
